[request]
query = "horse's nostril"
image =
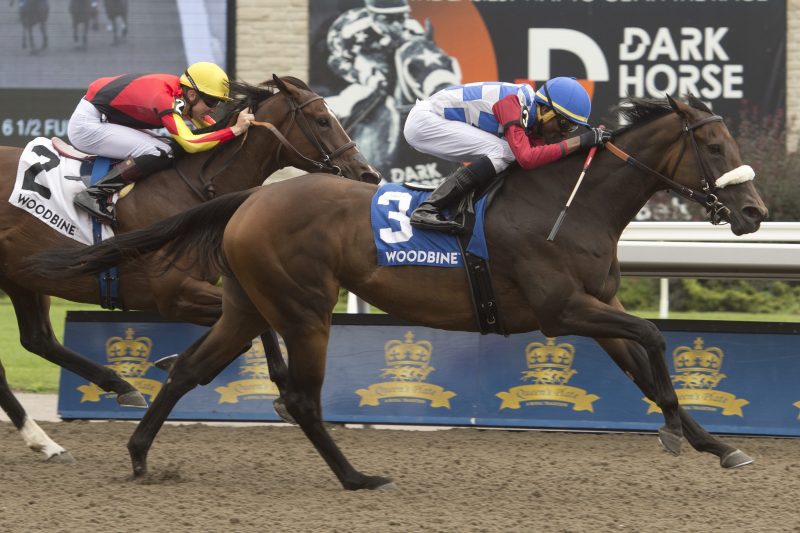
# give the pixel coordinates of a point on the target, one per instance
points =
(754, 213)
(371, 177)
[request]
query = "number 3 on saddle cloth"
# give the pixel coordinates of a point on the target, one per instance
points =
(400, 244)
(47, 181)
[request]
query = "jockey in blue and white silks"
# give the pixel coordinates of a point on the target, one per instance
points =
(472, 103)
(492, 124)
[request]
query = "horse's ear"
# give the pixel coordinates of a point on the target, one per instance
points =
(280, 84)
(428, 29)
(679, 107)
(673, 104)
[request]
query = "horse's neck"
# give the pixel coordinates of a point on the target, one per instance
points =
(236, 166)
(621, 188)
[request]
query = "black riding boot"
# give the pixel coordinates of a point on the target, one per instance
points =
(456, 186)
(96, 198)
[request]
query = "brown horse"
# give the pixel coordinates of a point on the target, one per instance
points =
(288, 251)
(301, 131)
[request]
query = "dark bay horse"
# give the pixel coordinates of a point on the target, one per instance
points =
(564, 287)
(33, 13)
(304, 133)
(117, 13)
(84, 14)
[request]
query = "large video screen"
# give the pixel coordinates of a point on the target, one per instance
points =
(53, 49)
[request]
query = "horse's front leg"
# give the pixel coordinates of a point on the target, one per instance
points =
(630, 357)
(307, 346)
(582, 314)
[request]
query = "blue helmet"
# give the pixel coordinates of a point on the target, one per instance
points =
(567, 97)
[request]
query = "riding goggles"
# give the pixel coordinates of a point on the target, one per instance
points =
(565, 124)
(210, 101)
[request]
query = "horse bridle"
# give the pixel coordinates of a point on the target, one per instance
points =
(717, 211)
(325, 165)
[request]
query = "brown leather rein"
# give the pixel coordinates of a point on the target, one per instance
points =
(707, 198)
(325, 165)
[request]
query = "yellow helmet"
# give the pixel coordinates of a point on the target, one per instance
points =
(206, 78)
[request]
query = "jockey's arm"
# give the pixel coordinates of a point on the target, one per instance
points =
(190, 141)
(529, 153)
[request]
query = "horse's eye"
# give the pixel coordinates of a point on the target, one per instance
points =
(715, 149)
(323, 122)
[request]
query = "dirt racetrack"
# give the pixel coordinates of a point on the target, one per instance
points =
(268, 478)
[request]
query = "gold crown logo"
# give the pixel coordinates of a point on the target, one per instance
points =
(129, 356)
(255, 362)
(409, 360)
(549, 364)
(698, 368)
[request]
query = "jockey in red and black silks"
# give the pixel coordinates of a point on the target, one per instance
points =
(147, 101)
(110, 119)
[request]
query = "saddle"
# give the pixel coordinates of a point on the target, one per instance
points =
(67, 150)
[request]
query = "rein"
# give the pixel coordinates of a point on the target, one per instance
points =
(707, 198)
(326, 164)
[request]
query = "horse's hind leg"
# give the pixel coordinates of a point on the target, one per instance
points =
(197, 365)
(307, 346)
(44, 35)
(34, 436)
(630, 357)
(36, 336)
(278, 373)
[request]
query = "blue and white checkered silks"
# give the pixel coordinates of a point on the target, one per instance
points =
(400, 244)
(472, 102)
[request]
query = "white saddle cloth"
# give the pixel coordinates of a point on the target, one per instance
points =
(45, 186)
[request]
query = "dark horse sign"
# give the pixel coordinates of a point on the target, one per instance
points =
(288, 250)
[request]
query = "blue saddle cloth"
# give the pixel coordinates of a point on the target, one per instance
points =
(400, 244)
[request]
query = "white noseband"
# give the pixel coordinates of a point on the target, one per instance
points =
(737, 175)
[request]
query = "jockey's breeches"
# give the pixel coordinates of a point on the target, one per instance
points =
(89, 133)
(430, 133)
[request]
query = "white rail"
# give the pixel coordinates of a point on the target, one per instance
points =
(698, 249)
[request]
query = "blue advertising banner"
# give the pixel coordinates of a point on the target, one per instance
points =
(733, 377)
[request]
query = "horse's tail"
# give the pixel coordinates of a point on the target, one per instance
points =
(195, 234)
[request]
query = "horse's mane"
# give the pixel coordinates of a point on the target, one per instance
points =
(633, 112)
(244, 95)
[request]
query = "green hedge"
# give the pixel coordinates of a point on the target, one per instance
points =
(753, 296)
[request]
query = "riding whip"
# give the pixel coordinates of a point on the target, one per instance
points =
(563, 213)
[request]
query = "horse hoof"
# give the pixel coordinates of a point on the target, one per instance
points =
(63, 458)
(132, 399)
(670, 442)
(280, 408)
(371, 483)
(166, 363)
(735, 459)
